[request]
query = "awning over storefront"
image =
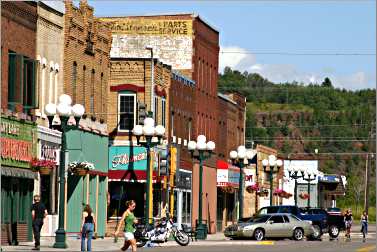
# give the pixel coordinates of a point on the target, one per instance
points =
(18, 172)
(129, 175)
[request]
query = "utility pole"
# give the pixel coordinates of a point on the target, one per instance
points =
(367, 170)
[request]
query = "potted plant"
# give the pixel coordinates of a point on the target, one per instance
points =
(252, 188)
(44, 167)
(80, 168)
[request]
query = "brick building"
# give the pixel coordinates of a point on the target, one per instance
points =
(18, 132)
(87, 43)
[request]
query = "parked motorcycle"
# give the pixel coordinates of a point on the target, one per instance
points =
(160, 233)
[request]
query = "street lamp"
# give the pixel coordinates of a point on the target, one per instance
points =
(148, 132)
(273, 167)
(204, 151)
(309, 176)
(240, 158)
(64, 110)
(295, 173)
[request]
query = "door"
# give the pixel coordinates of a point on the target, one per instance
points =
(276, 228)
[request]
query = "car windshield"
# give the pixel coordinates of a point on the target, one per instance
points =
(268, 210)
(295, 218)
(260, 219)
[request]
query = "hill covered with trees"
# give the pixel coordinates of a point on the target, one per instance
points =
(297, 118)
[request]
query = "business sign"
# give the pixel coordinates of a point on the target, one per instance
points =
(49, 151)
(234, 176)
(17, 150)
(222, 177)
(127, 157)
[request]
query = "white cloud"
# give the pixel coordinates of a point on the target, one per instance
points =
(280, 73)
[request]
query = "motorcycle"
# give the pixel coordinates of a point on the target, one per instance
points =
(160, 233)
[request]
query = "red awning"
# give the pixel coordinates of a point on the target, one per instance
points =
(221, 164)
(127, 175)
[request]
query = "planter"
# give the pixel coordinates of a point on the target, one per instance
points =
(44, 171)
(81, 172)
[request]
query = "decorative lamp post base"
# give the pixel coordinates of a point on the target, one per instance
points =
(60, 239)
(201, 231)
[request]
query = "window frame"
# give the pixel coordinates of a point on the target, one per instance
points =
(163, 111)
(135, 105)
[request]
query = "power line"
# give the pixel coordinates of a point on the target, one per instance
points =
(299, 54)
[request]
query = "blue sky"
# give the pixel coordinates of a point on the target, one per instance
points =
(282, 26)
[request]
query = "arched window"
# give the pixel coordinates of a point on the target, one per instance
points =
(74, 81)
(92, 102)
(83, 85)
(103, 89)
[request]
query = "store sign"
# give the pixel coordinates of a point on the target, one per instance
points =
(18, 150)
(10, 128)
(222, 177)
(49, 151)
(234, 176)
(127, 157)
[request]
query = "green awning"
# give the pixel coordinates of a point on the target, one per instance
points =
(18, 172)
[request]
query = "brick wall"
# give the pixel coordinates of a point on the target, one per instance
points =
(18, 26)
(87, 43)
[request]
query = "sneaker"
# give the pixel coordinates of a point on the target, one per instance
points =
(36, 248)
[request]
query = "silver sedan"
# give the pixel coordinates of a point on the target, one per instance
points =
(271, 225)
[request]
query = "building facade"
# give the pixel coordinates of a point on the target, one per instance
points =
(87, 43)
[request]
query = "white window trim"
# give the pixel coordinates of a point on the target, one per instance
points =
(163, 111)
(119, 95)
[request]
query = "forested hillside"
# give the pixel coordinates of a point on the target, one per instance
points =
(299, 118)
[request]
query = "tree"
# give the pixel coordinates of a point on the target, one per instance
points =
(327, 83)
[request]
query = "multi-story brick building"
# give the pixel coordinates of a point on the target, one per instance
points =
(87, 43)
(18, 132)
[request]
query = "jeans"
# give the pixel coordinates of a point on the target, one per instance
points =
(87, 232)
(37, 226)
(364, 228)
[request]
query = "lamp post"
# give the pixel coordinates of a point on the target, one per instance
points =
(295, 173)
(148, 132)
(240, 158)
(64, 110)
(204, 151)
(273, 167)
(309, 176)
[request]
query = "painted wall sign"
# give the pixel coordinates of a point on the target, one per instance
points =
(18, 150)
(10, 128)
(126, 157)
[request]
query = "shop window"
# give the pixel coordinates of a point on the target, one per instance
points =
(21, 81)
(74, 81)
(126, 111)
(46, 190)
(92, 80)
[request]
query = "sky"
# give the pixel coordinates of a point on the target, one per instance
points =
(262, 32)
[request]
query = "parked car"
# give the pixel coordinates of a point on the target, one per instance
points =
(334, 211)
(271, 225)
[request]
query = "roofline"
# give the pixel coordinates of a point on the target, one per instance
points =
(226, 98)
(205, 22)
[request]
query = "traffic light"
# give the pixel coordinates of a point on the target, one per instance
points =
(142, 113)
(164, 162)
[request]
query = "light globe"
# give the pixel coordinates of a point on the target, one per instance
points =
(137, 130)
(279, 162)
(211, 145)
(233, 154)
(264, 162)
(159, 130)
(201, 145)
(66, 99)
(148, 130)
(191, 145)
(50, 109)
(250, 154)
(78, 110)
(201, 138)
(63, 109)
(149, 122)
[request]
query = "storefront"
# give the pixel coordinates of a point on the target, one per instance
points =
(47, 186)
(183, 197)
(227, 194)
(330, 187)
(89, 189)
(18, 147)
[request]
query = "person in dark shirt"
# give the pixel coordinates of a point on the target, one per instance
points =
(87, 228)
(38, 213)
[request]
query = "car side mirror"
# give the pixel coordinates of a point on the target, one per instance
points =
(270, 222)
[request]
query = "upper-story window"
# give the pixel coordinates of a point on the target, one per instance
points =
(126, 111)
(74, 81)
(163, 111)
(155, 114)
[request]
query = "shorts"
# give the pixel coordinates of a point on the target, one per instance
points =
(129, 236)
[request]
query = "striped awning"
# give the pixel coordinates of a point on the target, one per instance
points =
(130, 175)
(18, 172)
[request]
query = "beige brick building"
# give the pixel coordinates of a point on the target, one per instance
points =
(131, 77)
(87, 43)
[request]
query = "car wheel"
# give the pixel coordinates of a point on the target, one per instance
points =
(333, 231)
(317, 232)
(298, 234)
(259, 234)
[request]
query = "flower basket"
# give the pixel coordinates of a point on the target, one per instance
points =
(252, 188)
(80, 168)
(262, 192)
(44, 167)
(304, 196)
(278, 192)
(285, 195)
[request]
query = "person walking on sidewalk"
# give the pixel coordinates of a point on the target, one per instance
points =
(38, 213)
(364, 224)
(348, 223)
(129, 220)
(87, 228)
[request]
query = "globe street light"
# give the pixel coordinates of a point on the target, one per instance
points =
(64, 110)
(240, 158)
(295, 173)
(273, 165)
(204, 151)
(309, 176)
(148, 132)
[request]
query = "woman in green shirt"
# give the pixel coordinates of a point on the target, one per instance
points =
(129, 220)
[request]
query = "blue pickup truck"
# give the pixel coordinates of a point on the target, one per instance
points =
(319, 218)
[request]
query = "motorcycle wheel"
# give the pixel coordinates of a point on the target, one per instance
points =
(181, 238)
(140, 243)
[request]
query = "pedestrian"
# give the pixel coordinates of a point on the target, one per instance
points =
(129, 220)
(87, 228)
(38, 213)
(364, 224)
(348, 223)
